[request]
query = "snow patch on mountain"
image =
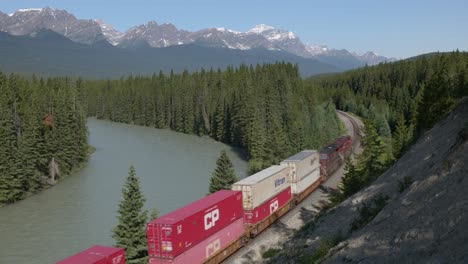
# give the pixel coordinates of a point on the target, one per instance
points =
(222, 29)
(260, 28)
(30, 10)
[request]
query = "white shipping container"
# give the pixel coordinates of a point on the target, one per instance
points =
(302, 164)
(305, 181)
(261, 186)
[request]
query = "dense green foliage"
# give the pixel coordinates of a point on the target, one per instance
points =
(223, 177)
(130, 232)
(403, 98)
(34, 152)
(271, 252)
(265, 109)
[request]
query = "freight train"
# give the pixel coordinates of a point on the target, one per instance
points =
(213, 228)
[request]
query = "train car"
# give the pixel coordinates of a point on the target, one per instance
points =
(209, 247)
(261, 186)
(304, 175)
(265, 197)
(333, 156)
(97, 255)
(261, 212)
(174, 233)
(346, 147)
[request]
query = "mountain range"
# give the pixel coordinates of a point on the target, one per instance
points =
(272, 41)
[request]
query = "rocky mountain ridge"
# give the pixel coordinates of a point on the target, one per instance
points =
(152, 34)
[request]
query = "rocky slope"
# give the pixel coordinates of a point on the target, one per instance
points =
(426, 214)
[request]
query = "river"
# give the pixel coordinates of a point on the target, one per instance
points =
(174, 169)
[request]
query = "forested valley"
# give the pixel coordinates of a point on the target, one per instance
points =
(265, 109)
(43, 134)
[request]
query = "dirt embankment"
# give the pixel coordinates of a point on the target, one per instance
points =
(424, 220)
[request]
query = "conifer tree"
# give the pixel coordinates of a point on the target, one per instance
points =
(223, 177)
(351, 182)
(130, 232)
(374, 159)
(401, 136)
(437, 99)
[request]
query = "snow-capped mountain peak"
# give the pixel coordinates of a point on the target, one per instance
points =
(260, 28)
(152, 34)
(112, 35)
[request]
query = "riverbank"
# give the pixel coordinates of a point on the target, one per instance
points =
(46, 185)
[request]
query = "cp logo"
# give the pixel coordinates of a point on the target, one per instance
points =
(211, 218)
(274, 206)
(213, 248)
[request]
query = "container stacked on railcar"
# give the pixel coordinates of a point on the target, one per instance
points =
(208, 247)
(304, 175)
(97, 255)
(178, 231)
(265, 197)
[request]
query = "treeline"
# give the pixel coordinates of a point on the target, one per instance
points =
(43, 133)
(265, 109)
(399, 101)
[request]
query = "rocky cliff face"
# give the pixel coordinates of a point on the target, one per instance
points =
(29, 21)
(426, 215)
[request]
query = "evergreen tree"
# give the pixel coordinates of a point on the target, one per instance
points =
(437, 99)
(401, 136)
(130, 232)
(352, 181)
(374, 158)
(223, 177)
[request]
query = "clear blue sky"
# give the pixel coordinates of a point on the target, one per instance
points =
(392, 28)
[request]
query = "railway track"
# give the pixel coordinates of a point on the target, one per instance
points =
(357, 133)
(276, 233)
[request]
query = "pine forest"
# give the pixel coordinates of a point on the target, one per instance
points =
(43, 134)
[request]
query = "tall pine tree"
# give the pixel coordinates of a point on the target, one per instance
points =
(130, 232)
(223, 176)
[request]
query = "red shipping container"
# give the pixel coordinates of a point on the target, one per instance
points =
(261, 212)
(208, 247)
(178, 231)
(97, 255)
